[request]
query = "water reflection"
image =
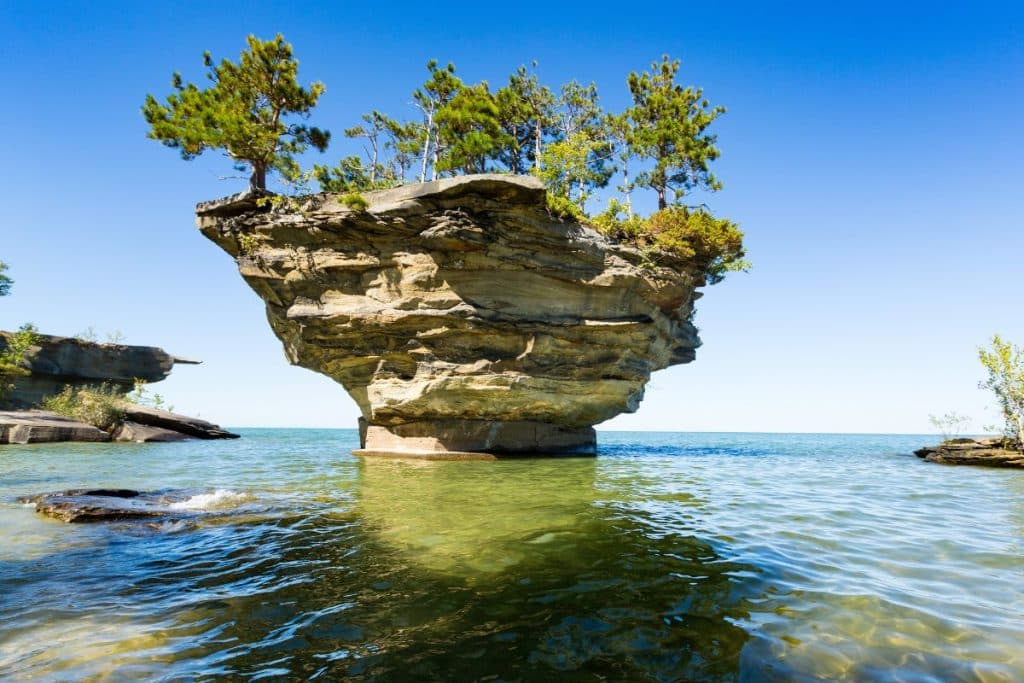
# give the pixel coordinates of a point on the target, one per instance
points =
(501, 571)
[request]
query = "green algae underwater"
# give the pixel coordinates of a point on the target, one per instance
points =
(669, 557)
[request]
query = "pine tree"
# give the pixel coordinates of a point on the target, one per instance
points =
(435, 94)
(669, 124)
(526, 111)
(5, 280)
(468, 131)
(243, 112)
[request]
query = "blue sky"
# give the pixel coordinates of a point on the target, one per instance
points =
(873, 154)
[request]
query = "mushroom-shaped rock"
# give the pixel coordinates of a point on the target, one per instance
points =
(459, 314)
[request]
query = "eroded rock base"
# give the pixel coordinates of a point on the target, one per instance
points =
(474, 439)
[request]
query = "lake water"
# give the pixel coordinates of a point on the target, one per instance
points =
(669, 557)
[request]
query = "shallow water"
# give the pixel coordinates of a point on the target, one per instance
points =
(669, 557)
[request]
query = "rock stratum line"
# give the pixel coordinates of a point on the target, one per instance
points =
(459, 315)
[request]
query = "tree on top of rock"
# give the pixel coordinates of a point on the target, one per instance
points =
(469, 132)
(242, 112)
(669, 129)
(5, 280)
(526, 110)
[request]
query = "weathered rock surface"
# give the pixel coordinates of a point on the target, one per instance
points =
(134, 432)
(39, 426)
(99, 505)
(59, 361)
(459, 314)
(983, 452)
(142, 425)
(107, 505)
(182, 424)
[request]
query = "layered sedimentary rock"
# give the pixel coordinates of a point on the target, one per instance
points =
(459, 314)
(55, 362)
(987, 452)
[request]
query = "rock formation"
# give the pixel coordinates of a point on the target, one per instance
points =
(460, 315)
(987, 452)
(56, 362)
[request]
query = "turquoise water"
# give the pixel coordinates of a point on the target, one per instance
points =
(669, 557)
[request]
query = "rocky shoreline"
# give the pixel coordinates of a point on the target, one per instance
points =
(986, 452)
(142, 424)
(55, 363)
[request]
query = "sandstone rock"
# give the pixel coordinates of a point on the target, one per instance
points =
(163, 420)
(984, 452)
(39, 426)
(58, 361)
(139, 433)
(459, 314)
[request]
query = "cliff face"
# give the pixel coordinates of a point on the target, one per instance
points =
(59, 361)
(458, 314)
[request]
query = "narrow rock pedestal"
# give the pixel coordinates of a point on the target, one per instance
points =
(474, 439)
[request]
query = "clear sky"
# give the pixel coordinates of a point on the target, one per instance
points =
(873, 154)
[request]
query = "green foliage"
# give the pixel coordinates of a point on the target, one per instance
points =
(469, 133)
(141, 396)
(5, 281)
(249, 243)
(715, 244)
(527, 114)
(242, 112)
(569, 170)
(101, 406)
(669, 130)
(439, 89)
(950, 424)
(355, 201)
(17, 347)
(564, 208)
(1004, 363)
(618, 223)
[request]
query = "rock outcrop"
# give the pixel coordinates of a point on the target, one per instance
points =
(55, 362)
(459, 314)
(141, 424)
(988, 452)
(40, 426)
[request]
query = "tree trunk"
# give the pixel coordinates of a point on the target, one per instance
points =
(258, 179)
(433, 165)
(662, 204)
(537, 136)
(626, 188)
(426, 147)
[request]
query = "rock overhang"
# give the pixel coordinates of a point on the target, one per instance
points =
(461, 302)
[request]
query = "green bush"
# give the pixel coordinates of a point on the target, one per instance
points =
(101, 406)
(355, 201)
(564, 208)
(716, 244)
(17, 346)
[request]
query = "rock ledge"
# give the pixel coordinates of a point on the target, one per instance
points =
(983, 452)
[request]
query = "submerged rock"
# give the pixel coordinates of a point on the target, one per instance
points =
(107, 505)
(985, 452)
(99, 505)
(460, 315)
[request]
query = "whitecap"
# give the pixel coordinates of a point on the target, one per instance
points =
(219, 499)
